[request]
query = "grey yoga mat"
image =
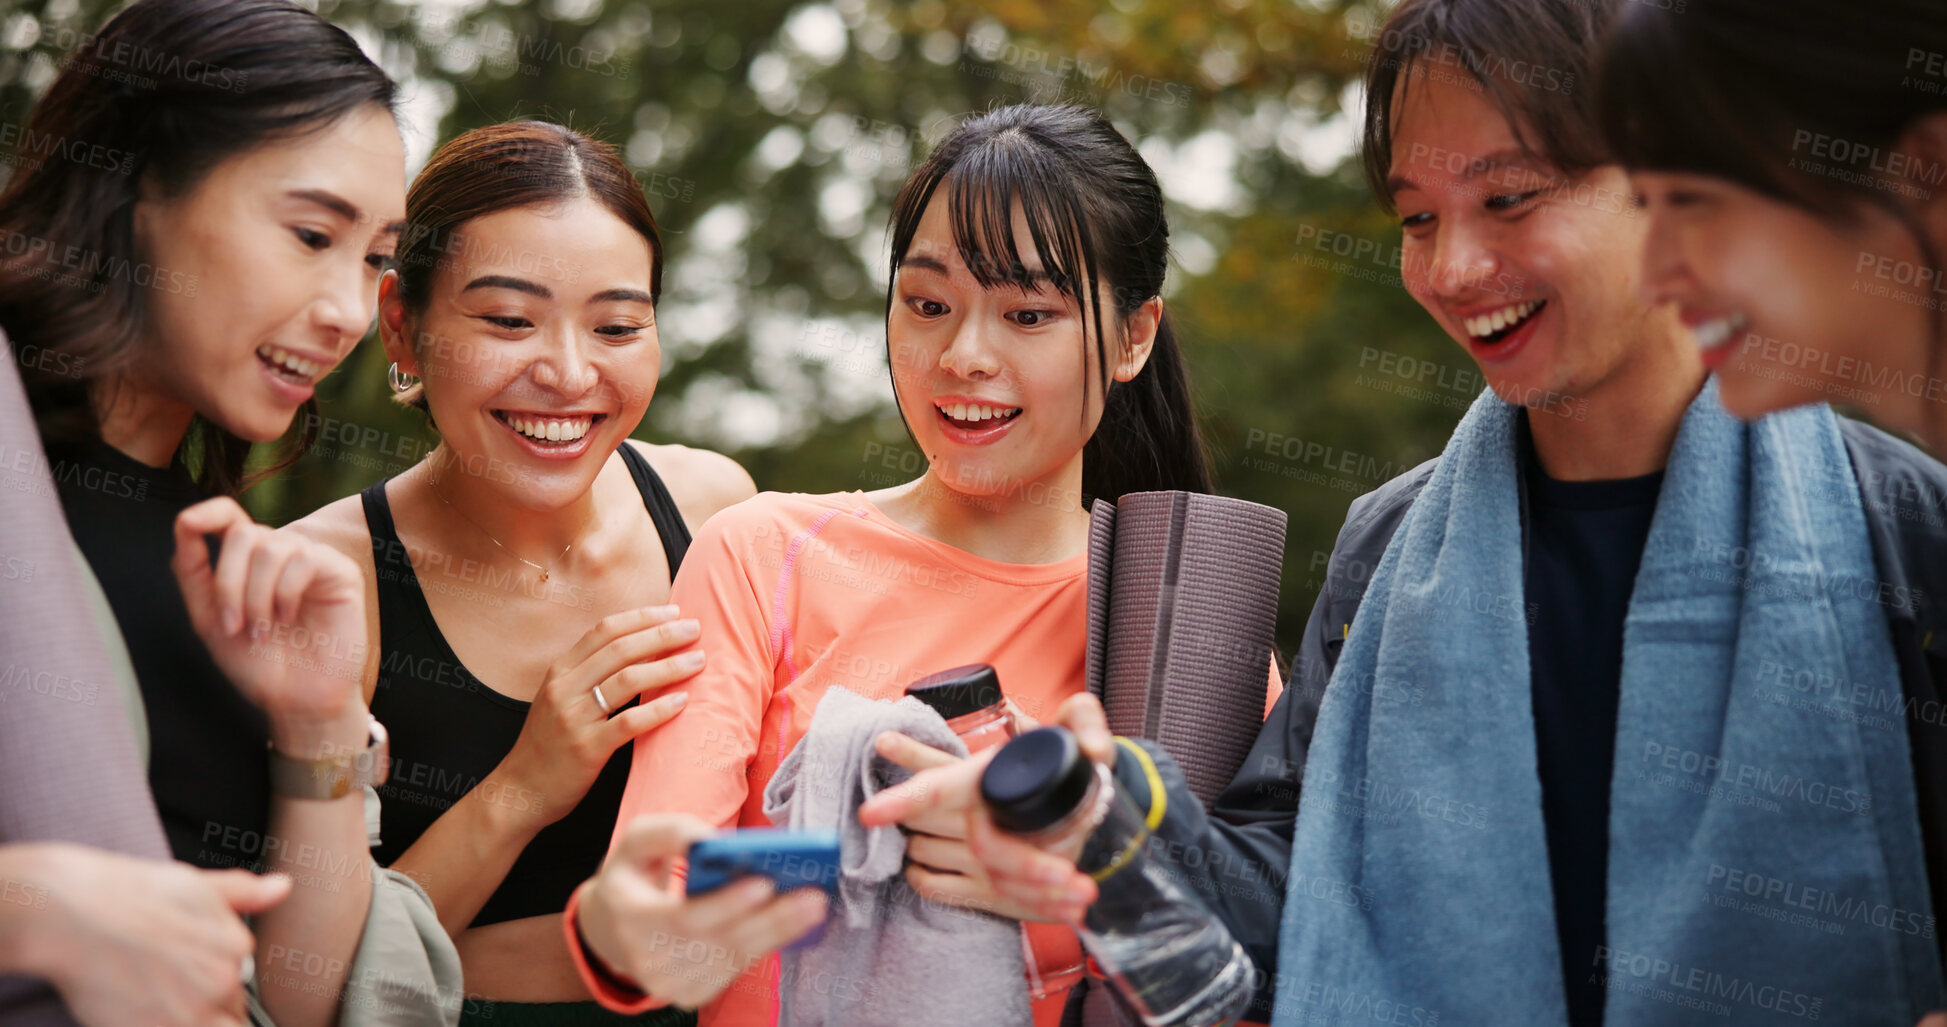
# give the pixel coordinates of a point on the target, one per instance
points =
(1182, 614)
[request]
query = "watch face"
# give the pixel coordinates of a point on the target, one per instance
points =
(339, 782)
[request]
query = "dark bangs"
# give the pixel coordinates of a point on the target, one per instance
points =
(1094, 214)
(986, 182)
(1794, 99)
(1530, 58)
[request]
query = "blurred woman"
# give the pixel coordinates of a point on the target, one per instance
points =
(203, 243)
(1035, 367)
(1792, 157)
(516, 578)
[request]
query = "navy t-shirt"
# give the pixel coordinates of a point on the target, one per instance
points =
(1585, 542)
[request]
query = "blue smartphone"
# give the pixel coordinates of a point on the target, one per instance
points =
(790, 858)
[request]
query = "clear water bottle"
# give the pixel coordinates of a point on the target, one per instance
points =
(1170, 957)
(970, 700)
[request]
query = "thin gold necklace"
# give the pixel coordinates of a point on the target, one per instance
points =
(432, 482)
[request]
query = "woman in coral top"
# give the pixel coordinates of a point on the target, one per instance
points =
(1035, 366)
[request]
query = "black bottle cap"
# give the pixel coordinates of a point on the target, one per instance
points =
(1035, 780)
(960, 691)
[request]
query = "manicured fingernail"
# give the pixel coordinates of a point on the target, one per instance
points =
(679, 699)
(232, 621)
(686, 628)
(693, 658)
(668, 610)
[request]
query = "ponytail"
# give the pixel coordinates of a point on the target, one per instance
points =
(1148, 439)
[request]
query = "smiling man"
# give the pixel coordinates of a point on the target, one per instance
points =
(1617, 733)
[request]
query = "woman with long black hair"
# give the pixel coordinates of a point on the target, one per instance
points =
(1037, 369)
(181, 301)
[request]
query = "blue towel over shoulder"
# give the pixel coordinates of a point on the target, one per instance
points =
(1765, 859)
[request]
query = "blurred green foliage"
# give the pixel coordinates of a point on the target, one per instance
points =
(771, 136)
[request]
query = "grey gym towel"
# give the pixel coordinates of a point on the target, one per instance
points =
(887, 957)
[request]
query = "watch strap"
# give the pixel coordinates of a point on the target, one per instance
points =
(332, 777)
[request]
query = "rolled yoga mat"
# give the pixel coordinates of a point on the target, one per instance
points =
(1182, 618)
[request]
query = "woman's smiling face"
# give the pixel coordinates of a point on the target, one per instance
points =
(537, 346)
(992, 380)
(1792, 308)
(266, 271)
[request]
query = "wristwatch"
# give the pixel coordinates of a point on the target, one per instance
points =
(333, 777)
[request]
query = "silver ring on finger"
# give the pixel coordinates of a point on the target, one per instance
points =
(602, 701)
(247, 970)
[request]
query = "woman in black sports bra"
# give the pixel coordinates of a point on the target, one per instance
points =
(517, 574)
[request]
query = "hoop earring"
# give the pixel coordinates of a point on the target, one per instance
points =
(400, 380)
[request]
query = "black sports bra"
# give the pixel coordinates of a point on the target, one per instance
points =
(449, 730)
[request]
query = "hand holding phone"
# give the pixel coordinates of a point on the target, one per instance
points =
(683, 948)
(790, 858)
